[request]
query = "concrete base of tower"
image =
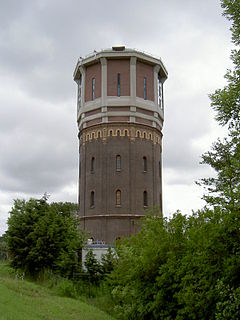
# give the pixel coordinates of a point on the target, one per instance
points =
(109, 228)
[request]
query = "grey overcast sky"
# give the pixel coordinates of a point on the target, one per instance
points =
(40, 42)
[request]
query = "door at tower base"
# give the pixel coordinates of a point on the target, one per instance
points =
(110, 228)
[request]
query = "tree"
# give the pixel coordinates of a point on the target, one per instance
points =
(108, 261)
(44, 236)
(224, 190)
(224, 157)
(3, 248)
(228, 306)
(145, 259)
(94, 268)
(172, 268)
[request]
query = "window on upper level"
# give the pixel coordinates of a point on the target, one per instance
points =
(145, 88)
(160, 92)
(92, 199)
(93, 88)
(79, 91)
(118, 198)
(144, 164)
(118, 163)
(145, 199)
(92, 165)
(118, 84)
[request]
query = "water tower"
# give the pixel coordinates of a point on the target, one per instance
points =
(120, 112)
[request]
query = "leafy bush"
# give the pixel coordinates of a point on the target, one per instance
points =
(3, 248)
(94, 270)
(170, 270)
(44, 236)
(65, 288)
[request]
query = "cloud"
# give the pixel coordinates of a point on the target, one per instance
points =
(38, 144)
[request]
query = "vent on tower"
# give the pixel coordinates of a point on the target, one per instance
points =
(118, 48)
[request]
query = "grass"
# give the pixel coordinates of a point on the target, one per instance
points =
(25, 300)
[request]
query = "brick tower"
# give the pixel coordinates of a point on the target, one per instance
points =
(120, 118)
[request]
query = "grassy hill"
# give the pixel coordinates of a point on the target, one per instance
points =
(25, 300)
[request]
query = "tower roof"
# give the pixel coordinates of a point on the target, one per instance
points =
(120, 52)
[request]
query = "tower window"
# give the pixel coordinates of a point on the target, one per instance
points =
(144, 164)
(145, 199)
(118, 198)
(92, 165)
(145, 88)
(92, 199)
(160, 100)
(93, 88)
(118, 163)
(79, 91)
(118, 84)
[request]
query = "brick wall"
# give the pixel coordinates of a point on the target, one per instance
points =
(113, 68)
(144, 70)
(93, 71)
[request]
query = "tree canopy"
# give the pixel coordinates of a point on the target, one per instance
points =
(182, 268)
(44, 236)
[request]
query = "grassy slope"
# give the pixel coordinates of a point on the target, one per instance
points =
(23, 300)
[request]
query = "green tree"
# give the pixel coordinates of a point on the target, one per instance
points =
(3, 248)
(228, 306)
(172, 268)
(44, 236)
(108, 261)
(144, 261)
(224, 157)
(93, 268)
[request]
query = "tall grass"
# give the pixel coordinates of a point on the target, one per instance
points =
(79, 288)
(26, 300)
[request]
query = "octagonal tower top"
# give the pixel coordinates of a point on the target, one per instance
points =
(120, 82)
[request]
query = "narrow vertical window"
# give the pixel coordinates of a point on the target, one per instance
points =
(93, 88)
(92, 165)
(145, 199)
(160, 102)
(160, 169)
(92, 199)
(118, 163)
(118, 84)
(118, 198)
(145, 88)
(79, 91)
(144, 164)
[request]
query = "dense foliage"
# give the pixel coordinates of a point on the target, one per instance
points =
(177, 269)
(98, 270)
(44, 236)
(3, 248)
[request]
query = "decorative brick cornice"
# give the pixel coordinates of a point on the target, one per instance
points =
(133, 132)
